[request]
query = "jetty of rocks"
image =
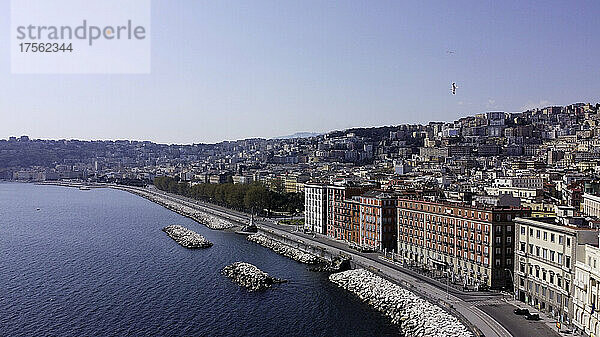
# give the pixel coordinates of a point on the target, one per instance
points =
(337, 264)
(205, 218)
(415, 315)
(187, 238)
(284, 249)
(249, 276)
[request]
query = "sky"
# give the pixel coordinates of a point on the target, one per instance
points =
(226, 70)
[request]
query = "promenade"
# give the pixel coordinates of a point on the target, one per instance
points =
(490, 312)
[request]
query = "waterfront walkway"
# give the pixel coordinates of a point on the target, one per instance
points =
(491, 313)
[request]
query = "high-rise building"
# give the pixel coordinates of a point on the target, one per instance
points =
(315, 207)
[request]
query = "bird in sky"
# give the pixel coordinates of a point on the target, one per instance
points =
(454, 88)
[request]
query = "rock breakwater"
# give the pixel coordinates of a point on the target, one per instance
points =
(337, 264)
(249, 276)
(283, 249)
(415, 315)
(187, 238)
(185, 208)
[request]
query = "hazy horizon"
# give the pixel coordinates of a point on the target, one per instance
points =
(233, 70)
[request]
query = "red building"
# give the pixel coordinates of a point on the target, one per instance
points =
(339, 211)
(472, 245)
(378, 226)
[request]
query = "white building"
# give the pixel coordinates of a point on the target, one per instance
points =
(529, 182)
(315, 207)
(243, 179)
(525, 194)
(587, 288)
(591, 205)
(547, 251)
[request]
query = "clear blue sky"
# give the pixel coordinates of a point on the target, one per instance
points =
(237, 69)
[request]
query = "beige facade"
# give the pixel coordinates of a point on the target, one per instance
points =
(545, 264)
(587, 289)
(591, 205)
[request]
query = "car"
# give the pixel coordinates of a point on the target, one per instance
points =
(533, 317)
(521, 311)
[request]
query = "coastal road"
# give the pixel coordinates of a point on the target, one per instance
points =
(487, 311)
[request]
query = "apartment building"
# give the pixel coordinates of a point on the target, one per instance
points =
(547, 250)
(378, 226)
(294, 183)
(587, 292)
(315, 207)
(337, 208)
(351, 226)
(530, 182)
(472, 245)
(525, 194)
(591, 205)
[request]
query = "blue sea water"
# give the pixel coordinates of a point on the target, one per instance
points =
(96, 263)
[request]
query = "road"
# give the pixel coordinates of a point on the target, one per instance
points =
(489, 312)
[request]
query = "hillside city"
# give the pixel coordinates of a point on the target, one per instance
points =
(494, 201)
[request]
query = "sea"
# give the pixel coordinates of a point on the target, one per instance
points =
(96, 263)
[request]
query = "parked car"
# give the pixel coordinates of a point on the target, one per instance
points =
(521, 311)
(533, 317)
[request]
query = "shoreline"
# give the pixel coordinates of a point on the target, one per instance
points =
(194, 212)
(157, 197)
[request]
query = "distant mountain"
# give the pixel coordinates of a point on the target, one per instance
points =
(300, 135)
